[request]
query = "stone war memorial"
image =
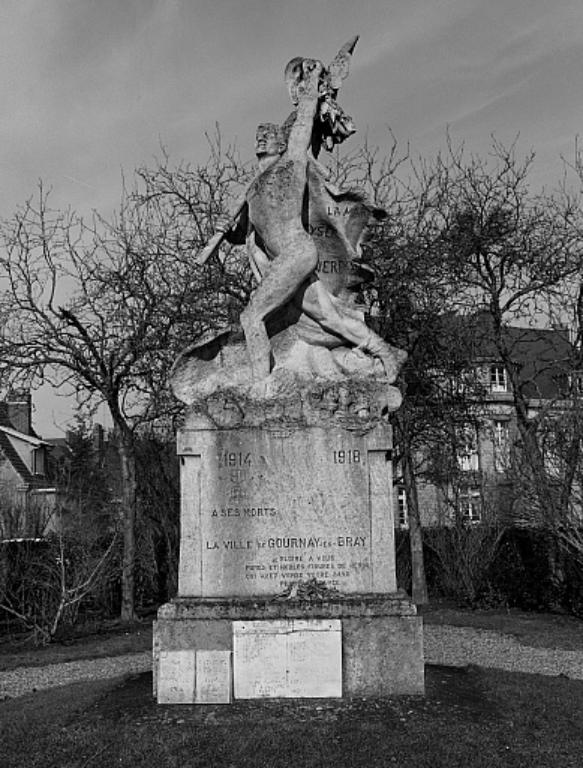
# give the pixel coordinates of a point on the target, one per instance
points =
(287, 583)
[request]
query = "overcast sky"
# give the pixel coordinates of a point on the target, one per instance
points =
(91, 88)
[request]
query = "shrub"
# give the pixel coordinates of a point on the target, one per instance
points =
(485, 567)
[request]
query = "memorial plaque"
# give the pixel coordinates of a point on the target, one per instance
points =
(260, 659)
(315, 659)
(264, 509)
(176, 677)
(213, 677)
(287, 659)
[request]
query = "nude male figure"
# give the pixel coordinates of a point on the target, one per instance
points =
(275, 199)
(282, 254)
(311, 295)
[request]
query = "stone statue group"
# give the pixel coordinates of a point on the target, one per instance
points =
(303, 237)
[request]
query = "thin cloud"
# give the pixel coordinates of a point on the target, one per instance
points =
(417, 25)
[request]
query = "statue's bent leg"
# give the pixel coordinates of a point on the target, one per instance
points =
(318, 304)
(295, 259)
(391, 357)
(258, 347)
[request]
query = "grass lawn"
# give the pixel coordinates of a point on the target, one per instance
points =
(471, 717)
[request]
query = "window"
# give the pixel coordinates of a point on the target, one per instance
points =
(498, 379)
(403, 508)
(576, 381)
(467, 451)
(501, 441)
(553, 456)
(470, 505)
(38, 461)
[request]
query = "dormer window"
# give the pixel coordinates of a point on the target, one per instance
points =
(38, 461)
(498, 379)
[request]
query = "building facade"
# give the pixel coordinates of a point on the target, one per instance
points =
(469, 476)
(27, 495)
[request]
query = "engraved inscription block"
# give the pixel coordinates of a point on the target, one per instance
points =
(315, 659)
(260, 659)
(264, 509)
(287, 659)
(176, 677)
(213, 677)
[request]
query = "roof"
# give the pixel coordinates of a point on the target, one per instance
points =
(11, 454)
(58, 442)
(7, 449)
(544, 357)
(32, 439)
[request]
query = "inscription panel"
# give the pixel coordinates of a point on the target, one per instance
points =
(287, 659)
(213, 677)
(176, 677)
(278, 507)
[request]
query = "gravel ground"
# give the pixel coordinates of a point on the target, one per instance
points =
(458, 646)
(450, 646)
(23, 680)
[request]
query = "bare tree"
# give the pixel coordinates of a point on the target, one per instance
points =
(413, 300)
(45, 581)
(514, 255)
(105, 307)
(466, 236)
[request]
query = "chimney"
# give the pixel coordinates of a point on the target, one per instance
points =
(19, 407)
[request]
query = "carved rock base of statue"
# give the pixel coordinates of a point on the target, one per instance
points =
(287, 563)
(309, 384)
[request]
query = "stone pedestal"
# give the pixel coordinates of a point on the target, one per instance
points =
(287, 545)
(381, 639)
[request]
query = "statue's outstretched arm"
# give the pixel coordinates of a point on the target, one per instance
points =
(309, 94)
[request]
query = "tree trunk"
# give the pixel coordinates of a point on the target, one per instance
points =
(549, 503)
(127, 457)
(418, 581)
